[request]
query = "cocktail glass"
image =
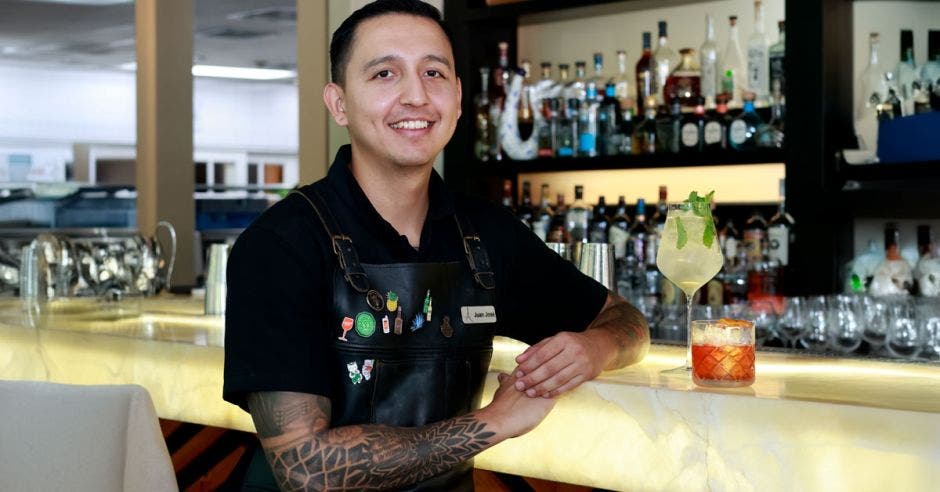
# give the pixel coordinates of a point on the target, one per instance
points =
(689, 255)
(722, 352)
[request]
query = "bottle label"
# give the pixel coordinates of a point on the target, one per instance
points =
(738, 132)
(778, 239)
(708, 79)
(757, 69)
(618, 237)
(587, 143)
(731, 249)
(753, 244)
(712, 133)
(690, 135)
(776, 72)
(565, 152)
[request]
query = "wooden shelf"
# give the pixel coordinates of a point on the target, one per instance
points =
(912, 176)
(619, 162)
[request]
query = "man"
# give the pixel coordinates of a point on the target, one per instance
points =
(362, 307)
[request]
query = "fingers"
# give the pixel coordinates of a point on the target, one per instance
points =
(540, 353)
(570, 385)
(554, 381)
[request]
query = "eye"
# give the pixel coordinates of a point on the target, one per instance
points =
(434, 74)
(382, 74)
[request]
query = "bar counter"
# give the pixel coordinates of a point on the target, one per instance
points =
(807, 423)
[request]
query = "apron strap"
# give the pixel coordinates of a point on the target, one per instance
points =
(476, 254)
(342, 244)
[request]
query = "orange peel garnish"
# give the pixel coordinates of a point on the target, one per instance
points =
(734, 323)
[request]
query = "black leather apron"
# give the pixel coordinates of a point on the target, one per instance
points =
(408, 358)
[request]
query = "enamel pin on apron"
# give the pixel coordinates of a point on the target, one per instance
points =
(375, 300)
(347, 325)
(365, 324)
(427, 306)
(446, 329)
(367, 368)
(385, 325)
(398, 322)
(354, 375)
(392, 303)
(417, 323)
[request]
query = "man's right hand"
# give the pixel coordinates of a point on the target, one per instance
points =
(512, 413)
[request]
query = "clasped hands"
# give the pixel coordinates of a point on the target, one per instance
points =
(559, 364)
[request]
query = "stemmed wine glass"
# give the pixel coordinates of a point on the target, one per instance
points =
(846, 332)
(815, 334)
(688, 254)
(792, 321)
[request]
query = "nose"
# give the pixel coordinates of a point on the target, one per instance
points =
(413, 92)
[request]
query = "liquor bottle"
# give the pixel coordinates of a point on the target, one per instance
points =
(905, 74)
(893, 276)
(548, 127)
(755, 237)
(714, 132)
(734, 270)
(644, 135)
(568, 130)
(544, 86)
(578, 216)
(927, 262)
(665, 60)
(481, 146)
(776, 54)
(599, 227)
(627, 128)
(558, 227)
(577, 88)
(644, 74)
(708, 60)
(507, 200)
(500, 84)
(599, 79)
(742, 132)
(621, 81)
(931, 71)
(757, 62)
(668, 128)
(693, 129)
(771, 135)
(619, 229)
(609, 138)
(873, 92)
(558, 90)
(780, 231)
(639, 231)
(731, 67)
(685, 81)
(526, 111)
(587, 123)
(526, 213)
(542, 220)
(658, 221)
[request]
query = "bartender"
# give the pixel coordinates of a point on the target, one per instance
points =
(362, 308)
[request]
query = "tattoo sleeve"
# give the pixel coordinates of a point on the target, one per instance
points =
(627, 327)
(305, 454)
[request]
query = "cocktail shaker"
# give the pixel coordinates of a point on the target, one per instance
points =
(215, 279)
(597, 262)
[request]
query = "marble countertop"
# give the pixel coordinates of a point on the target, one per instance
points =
(805, 420)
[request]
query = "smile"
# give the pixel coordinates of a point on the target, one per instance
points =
(411, 125)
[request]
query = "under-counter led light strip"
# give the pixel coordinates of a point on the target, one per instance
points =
(224, 72)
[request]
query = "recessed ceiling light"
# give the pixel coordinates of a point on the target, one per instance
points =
(231, 72)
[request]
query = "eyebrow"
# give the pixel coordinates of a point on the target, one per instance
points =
(389, 58)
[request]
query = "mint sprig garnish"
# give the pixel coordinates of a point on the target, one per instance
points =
(701, 207)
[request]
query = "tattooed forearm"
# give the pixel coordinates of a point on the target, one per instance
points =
(627, 327)
(305, 455)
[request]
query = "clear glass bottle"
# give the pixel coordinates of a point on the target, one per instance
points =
(587, 123)
(732, 69)
(543, 216)
(780, 231)
(905, 74)
(777, 54)
(568, 130)
(708, 61)
(598, 230)
(742, 133)
(482, 141)
(771, 135)
(545, 83)
(644, 135)
(644, 74)
(577, 88)
(578, 216)
(757, 62)
(873, 91)
(685, 81)
(599, 79)
(665, 60)
(564, 74)
(621, 81)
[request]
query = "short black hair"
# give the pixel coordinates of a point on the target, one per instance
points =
(342, 40)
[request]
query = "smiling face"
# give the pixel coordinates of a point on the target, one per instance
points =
(400, 99)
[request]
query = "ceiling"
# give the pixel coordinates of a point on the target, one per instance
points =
(241, 33)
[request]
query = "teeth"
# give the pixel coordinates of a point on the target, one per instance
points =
(411, 125)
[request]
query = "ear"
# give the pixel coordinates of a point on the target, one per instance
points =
(333, 98)
(459, 99)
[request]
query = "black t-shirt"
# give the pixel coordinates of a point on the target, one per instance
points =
(279, 275)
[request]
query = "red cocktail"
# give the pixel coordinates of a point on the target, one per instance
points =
(723, 352)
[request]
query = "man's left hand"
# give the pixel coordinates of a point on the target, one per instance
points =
(558, 364)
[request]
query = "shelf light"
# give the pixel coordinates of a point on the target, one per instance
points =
(224, 72)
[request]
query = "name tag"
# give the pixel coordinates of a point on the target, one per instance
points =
(478, 314)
